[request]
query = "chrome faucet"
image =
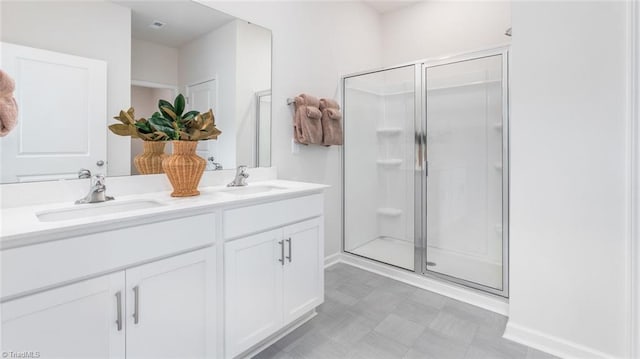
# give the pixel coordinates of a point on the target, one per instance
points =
(96, 191)
(241, 177)
(212, 165)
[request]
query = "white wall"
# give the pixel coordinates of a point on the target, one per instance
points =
(253, 74)
(98, 30)
(439, 28)
(151, 62)
(568, 178)
(213, 56)
(314, 43)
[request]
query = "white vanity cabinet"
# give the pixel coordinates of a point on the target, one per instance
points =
(161, 308)
(151, 286)
(303, 270)
(275, 276)
(73, 321)
(209, 277)
(170, 307)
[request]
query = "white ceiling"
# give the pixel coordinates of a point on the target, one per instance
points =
(386, 6)
(184, 20)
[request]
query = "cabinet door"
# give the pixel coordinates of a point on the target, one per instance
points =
(171, 307)
(73, 321)
(304, 268)
(253, 290)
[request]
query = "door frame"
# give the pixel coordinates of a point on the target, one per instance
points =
(258, 96)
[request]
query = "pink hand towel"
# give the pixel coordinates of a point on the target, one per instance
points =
(307, 120)
(331, 122)
(8, 105)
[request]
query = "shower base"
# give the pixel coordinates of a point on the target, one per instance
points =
(465, 267)
(400, 253)
(394, 251)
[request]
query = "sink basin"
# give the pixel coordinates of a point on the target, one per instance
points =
(241, 191)
(95, 209)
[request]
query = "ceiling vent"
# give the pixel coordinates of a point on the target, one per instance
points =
(157, 24)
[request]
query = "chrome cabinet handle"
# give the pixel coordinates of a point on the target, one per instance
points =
(289, 242)
(281, 260)
(119, 310)
(136, 304)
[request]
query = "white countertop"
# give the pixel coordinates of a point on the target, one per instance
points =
(21, 226)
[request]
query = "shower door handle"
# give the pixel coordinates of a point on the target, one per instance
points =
(426, 168)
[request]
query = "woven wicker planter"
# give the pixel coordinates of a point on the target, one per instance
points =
(150, 160)
(184, 168)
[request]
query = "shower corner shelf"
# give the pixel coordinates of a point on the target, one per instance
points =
(389, 131)
(391, 212)
(390, 162)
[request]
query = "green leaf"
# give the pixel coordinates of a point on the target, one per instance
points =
(179, 105)
(164, 103)
(190, 114)
(144, 127)
(168, 113)
(157, 118)
(166, 108)
(163, 125)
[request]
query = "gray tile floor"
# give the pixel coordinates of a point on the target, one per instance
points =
(367, 316)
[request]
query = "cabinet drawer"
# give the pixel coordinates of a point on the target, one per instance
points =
(239, 222)
(33, 267)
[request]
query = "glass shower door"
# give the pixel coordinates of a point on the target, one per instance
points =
(464, 185)
(379, 165)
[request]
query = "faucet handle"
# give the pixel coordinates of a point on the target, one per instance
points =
(84, 173)
(242, 171)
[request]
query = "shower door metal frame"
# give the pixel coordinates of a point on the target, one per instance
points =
(421, 165)
(417, 230)
(504, 52)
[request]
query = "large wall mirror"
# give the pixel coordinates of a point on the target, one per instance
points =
(77, 64)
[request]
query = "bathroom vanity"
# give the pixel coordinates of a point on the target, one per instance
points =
(147, 275)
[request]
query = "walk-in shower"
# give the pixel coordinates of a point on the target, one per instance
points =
(426, 168)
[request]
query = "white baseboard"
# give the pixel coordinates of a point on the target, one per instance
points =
(331, 259)
(486, 301)
(250, 353)
(550, 344)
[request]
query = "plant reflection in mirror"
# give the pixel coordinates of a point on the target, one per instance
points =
(170, 123)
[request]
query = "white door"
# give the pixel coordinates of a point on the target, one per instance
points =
(74, 321)
(202, 97)
(169, 303)
(62, 107)
(253, 290)
(303, 271)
